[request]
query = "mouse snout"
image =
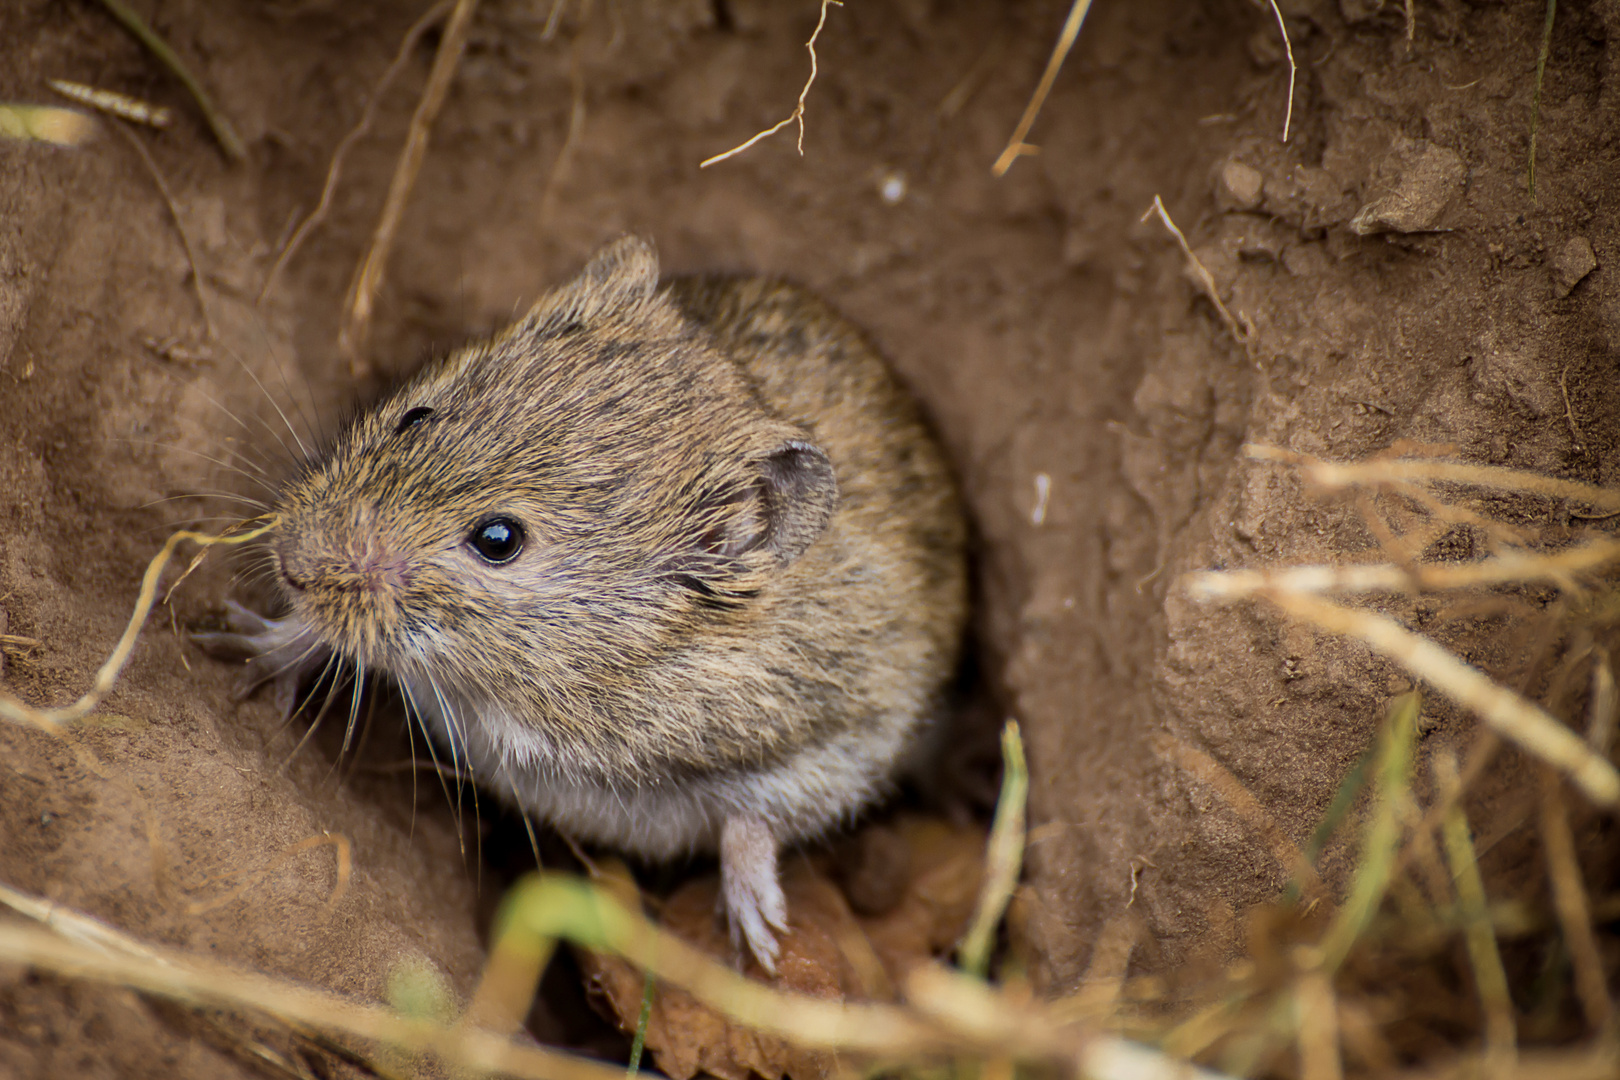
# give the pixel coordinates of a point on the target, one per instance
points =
(358, 563)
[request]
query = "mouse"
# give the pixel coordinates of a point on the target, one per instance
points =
(674, 565)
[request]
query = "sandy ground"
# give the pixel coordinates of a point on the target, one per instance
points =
(1391, 274)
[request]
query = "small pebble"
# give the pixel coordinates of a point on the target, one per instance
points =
(1427, 177)
(1571, 262)
(1239, 186)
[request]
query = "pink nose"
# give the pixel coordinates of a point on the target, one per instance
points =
(371, 567)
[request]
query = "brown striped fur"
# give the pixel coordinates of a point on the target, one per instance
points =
(742, 588)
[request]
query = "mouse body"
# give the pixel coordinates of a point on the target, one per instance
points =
(675, 566)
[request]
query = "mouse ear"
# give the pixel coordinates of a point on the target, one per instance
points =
(784, 510)
(621, 275)
(800, 494)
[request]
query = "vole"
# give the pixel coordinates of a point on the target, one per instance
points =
(676, 567)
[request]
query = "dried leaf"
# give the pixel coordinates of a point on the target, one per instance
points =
(829, 952)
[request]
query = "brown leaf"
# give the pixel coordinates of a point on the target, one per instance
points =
(947, 865)
(829, 952)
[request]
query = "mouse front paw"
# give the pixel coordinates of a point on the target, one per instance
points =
(756, 907)
(280, 653)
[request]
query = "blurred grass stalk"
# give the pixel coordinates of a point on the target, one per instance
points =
(45, 123)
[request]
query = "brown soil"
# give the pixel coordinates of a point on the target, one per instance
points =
(1048, 331)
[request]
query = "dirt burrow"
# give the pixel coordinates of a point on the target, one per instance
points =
(1396, 277)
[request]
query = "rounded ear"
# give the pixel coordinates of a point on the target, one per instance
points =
(622, 275)
(800, 494)
(787, 506)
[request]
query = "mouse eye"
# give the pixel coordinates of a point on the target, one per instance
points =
(497, 540)
(413, 417)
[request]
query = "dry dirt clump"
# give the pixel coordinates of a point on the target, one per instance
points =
(1380, 287)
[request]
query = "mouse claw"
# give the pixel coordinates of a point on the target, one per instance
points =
(279, 652)
(756, 907)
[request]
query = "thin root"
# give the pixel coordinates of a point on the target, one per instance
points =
(1204, 275)
(368, 116)
(179, 227)
(1293, 68)
(797, 115)
(226, 135)
(53, 721)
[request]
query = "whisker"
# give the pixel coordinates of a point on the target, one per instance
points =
(263, 479)
(246, 500)
(528, 827)
(303, 449)
(298, 661)
(285, 449)
(128, 440)
(354, 708)
(334, 671)
(457, 732)
(365, 733)
(281, 366)
(427, 737)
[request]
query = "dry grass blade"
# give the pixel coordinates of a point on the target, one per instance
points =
(1573, 908)
(955, 1013)
(1317, 1020)
(114, 104)
(197, 981)
(179, 227)
(76, 926)
(1199, 764)
(368, 279)
(1199, 1031)
(1489, 976)
(54, 720)
(1006, 854)
(1393, 772)
(1510, 715)
(1016, 146)
(797, 115)
(542, 908)
(226, 135)
(1557, 569)
(1333, 476)
(969, 1009)
(1507, 713)
(1605, 704)
(1119, 1059)
(951, 1014)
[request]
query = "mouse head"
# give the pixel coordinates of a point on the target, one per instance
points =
(568, 500)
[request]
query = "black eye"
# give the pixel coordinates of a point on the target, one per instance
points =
(413, 417)
(497, 540)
